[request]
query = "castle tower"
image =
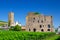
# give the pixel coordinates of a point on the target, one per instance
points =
(11, 19)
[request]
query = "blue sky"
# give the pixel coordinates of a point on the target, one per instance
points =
(22, 7)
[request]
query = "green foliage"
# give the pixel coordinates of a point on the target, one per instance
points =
(19, 35)
(36, 13)
(17, 28)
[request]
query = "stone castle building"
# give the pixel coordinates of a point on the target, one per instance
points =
(39, 23)
(11, 19)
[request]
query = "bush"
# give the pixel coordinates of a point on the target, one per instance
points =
(17, 28)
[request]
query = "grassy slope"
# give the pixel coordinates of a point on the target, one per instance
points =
(2, 23)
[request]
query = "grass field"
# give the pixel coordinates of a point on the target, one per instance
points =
(19, 35)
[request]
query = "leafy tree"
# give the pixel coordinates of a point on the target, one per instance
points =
(17, 28)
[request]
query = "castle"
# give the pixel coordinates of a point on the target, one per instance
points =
(35, 22)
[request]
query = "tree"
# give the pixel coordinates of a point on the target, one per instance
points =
(17, 28)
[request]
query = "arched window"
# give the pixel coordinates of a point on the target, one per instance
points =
(48, 26)
(42, 30)
(48, 29)
(40, 26)
(34, 30)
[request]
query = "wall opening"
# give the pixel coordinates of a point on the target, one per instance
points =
(42, 30)
(48, 29)
(29, 29)
(34, 30)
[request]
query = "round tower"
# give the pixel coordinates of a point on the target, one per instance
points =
(11, 19)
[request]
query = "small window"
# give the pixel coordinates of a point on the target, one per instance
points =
(40, 26)
(48, 29)
(48, 26)
(42, 30)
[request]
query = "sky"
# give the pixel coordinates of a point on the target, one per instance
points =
(22, 7)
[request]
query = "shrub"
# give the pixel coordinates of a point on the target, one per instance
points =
(17, 28)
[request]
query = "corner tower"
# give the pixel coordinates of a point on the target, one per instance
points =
(11, 19)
